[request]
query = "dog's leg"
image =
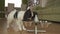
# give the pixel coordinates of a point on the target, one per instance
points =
(22, 25)
(9, 20)
(8, 23)
(19, 25)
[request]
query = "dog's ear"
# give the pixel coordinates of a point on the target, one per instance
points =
(28, 8)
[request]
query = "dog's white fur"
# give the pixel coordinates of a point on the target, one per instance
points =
(18, 21)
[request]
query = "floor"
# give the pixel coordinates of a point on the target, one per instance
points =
(53, 28)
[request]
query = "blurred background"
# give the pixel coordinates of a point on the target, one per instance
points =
(47, 9)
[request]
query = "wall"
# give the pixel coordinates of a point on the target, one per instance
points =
(51, 11)
(1, 8)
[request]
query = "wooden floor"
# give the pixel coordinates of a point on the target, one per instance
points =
(53, 28)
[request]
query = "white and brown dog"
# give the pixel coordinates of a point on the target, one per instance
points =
(19, 20)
